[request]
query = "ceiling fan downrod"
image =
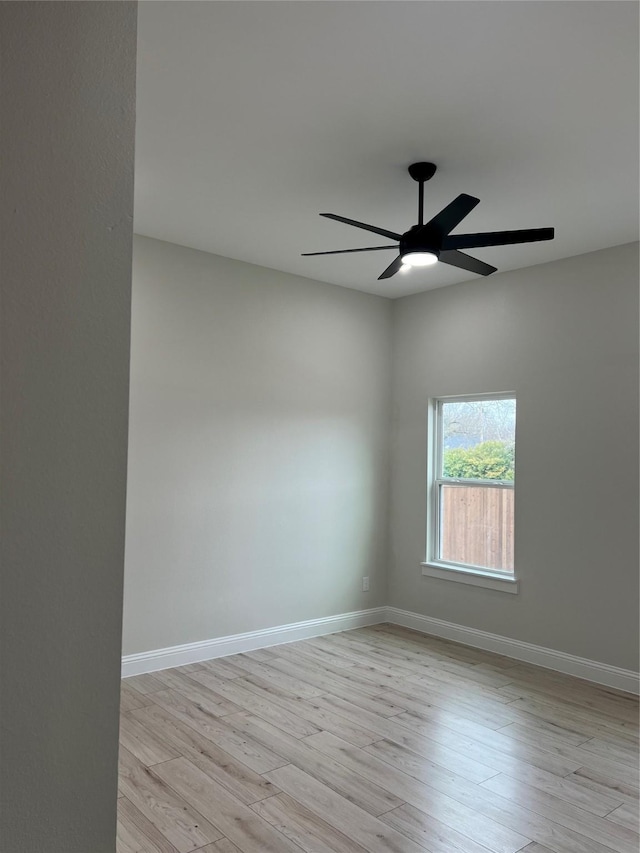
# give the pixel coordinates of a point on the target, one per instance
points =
(421, 172)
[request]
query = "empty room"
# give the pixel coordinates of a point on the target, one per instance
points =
(320, 427)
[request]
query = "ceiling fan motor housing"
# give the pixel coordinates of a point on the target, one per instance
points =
(420, 239)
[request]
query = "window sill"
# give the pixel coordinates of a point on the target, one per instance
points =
(489, 580)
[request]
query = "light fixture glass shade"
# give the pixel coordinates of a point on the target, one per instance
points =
(419, 259)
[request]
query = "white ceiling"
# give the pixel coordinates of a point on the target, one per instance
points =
(253, 117)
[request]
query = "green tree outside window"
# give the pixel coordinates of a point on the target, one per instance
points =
(490, 460)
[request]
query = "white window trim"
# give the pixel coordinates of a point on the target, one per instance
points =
(433, 567)
(473, 577)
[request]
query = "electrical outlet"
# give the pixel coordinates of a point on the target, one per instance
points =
(365, 584)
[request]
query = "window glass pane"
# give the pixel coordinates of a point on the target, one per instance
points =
(476, 526)
(478, 439)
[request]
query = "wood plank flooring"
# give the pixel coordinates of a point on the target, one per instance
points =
(376, 740)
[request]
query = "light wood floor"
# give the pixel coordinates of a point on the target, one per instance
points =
(379, 739)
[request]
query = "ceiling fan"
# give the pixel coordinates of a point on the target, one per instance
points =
(427, 243)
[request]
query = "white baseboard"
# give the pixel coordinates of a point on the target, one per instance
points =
(152, 661)
(600, 673)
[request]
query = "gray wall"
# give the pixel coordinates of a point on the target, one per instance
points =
(259, 441)
(564, 337)
(68, 88)
(259, 447)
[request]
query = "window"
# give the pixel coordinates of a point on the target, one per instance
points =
(472, 478)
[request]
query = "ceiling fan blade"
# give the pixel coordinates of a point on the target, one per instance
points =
(497, 238)
(382, 231)
(344, 251)
(392, 269)
(453, 214)
(465, 262)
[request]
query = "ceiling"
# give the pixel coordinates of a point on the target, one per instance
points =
(253, 117)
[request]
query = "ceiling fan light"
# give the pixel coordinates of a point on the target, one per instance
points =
(419, 259)
(405, 268)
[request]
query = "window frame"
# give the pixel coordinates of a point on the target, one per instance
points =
(434, 566)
